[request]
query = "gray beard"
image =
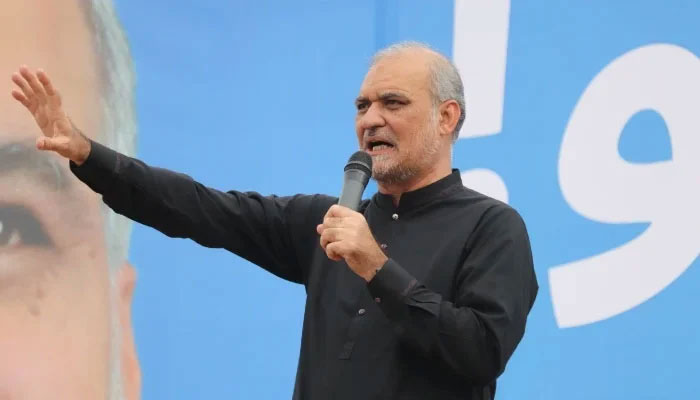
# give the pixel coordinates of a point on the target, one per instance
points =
(394, 174)
(403, 172)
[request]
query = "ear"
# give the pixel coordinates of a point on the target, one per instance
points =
(449, 114)
(131, 370)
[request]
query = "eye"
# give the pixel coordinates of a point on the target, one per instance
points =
(393, 103)
(362, 106)
(19, 227)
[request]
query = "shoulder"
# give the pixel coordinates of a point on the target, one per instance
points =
(491, 213)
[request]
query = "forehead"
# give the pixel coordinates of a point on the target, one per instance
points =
(54, 36)
(404, 73)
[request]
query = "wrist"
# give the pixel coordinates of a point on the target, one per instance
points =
(84, 147)
(372, 272)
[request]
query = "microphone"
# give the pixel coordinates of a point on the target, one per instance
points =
(357, 173)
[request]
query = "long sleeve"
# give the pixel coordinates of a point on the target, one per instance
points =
(266, 230)
(475, 335)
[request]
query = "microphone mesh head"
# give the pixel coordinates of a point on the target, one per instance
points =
(360, 160)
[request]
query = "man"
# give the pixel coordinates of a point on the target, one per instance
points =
(423, 294)
(65, 286)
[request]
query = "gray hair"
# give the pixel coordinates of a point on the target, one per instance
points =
(118, 132)
(446, 84)
(118, 123)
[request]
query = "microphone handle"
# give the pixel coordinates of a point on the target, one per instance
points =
(354, 185)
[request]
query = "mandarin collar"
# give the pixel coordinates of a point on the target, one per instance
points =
(419, 197)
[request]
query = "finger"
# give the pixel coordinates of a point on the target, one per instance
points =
(54, 96)
(324, 240)
(319, 229)
(33, 83)
(334, 251)
(339, 211)
(23, 85)
(331, 235)
(343, 212)
(327, 213)
(21, 98)
(46, 83)
(333, 222)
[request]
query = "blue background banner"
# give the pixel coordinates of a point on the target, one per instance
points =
(258, 95)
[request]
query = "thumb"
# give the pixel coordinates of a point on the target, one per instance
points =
(59, 144)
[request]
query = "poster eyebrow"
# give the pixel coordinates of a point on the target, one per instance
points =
(40, 166)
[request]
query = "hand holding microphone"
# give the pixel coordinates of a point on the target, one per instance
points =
(344, 232)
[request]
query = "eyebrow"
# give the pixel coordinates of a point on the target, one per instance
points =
(360, 100)
(39, 165)
(384, 96)
(389, 95)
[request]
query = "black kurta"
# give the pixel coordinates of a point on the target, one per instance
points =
(438, 321)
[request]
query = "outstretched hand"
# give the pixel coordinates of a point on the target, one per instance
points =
(43, 101)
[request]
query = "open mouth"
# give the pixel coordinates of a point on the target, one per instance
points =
(378, 147)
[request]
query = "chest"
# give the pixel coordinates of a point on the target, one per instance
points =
(430, 248)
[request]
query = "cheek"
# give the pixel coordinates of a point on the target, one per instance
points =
(55, 331)
(406, 133)
(359, 133)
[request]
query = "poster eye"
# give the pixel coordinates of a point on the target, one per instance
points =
(19, 227)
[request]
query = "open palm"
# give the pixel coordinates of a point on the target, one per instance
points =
(43, 101)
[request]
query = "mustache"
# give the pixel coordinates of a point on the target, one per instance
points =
(378, 133)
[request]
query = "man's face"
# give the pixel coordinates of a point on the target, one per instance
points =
(395, 121)
(55, 300)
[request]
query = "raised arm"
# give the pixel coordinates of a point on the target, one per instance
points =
(273, 232)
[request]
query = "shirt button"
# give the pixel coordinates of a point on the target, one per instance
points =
(383, 246)
(395, 217)
(361, 311)
(377, 299)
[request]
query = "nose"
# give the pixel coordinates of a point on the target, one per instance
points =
(371, 119)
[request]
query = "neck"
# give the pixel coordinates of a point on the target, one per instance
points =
(396, 189)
